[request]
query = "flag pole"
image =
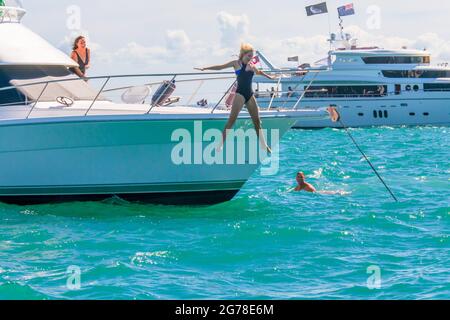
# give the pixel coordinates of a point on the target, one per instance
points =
(341, 25)
(329, 29)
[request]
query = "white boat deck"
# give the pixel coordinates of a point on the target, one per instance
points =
(110, 110)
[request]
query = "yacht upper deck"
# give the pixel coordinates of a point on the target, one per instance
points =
(379, 52)
(21, 46)
(375, 58)
(11, 14)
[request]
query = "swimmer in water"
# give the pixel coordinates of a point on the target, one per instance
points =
(305, 186)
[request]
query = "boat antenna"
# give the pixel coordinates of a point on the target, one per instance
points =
(367, 158)
(329, 31)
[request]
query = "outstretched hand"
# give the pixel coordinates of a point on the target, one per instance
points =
(200, 69)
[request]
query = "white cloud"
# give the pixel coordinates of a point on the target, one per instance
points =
(234, 28)
(177, 40)
(309, 49)
(134, 51)
(315, 47)
(177, 47)
(180, 51)
(432, 42)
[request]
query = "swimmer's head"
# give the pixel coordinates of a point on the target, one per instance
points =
(247, 53)
(300, 177)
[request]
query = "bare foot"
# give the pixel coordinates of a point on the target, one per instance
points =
(265, 147)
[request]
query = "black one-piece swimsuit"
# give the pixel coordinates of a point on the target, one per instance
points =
(245, 81)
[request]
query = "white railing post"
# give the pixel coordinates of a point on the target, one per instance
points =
(273, 96)
(306, 90)
(97, 96)
(37, 100)
(195, 93)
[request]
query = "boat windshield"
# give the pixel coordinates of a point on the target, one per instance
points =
(21, 77)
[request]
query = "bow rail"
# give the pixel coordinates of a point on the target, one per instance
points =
(40, 88)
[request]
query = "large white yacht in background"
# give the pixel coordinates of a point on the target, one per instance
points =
(62, 139)
(371, 86)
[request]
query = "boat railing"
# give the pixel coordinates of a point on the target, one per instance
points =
(280, 97)
(199, 77)
(317, 94)
(11, 14)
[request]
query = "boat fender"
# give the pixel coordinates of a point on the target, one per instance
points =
(163, 93)
(230, 97)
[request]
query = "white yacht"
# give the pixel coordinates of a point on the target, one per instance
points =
(62, 139)
(371, 87)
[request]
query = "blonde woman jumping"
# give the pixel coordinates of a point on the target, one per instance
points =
(245, 71)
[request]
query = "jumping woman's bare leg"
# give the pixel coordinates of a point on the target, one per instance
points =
(238, 104)
(253, 109)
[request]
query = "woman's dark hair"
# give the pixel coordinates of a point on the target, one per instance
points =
(75, 43)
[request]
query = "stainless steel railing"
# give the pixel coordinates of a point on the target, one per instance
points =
(108, 78)
(195, 77)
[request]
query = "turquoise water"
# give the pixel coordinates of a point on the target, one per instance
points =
(268, 243)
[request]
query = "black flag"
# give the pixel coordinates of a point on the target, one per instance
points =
(317, 9)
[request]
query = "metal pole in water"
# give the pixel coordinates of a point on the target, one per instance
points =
(367, 159)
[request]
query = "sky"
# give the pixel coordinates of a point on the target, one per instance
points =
(146, 36)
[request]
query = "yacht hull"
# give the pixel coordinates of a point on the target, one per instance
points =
(164, 198)
(131, 157)
(378, 112)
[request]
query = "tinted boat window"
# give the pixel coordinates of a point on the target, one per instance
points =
(12, 96)
(436, 86)
(428, 74)
(346, 91)
(397, 60)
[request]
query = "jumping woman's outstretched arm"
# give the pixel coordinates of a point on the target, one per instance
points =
(262, 73)
(231, 64)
